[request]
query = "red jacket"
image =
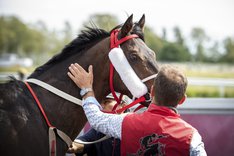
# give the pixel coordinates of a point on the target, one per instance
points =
(158, 131)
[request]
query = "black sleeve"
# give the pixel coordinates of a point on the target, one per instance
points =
(91, 135)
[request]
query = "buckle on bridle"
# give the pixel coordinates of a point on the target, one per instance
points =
(148, 97)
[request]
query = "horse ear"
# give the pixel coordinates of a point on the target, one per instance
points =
(126, 28)
(141, 22)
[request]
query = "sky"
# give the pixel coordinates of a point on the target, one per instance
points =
(216, 17)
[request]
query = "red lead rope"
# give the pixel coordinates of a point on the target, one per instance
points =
(141, 99)
(38, 104)
(52, 138)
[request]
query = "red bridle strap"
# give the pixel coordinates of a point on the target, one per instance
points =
(111, 84)
(114, 38)
(114, 42)
(116, 105)
(141, 99)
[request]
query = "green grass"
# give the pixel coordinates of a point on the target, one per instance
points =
(207, 74)
(208, 91)
(16, 69)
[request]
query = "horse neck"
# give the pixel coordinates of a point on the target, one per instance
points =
(73, 118)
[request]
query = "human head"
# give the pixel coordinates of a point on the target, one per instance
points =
(109, 102)
(169, 86)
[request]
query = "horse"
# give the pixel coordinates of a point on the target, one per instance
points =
(23, 129)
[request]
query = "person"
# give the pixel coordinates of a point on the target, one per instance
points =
(157, 131)
(110, 146)
(22, 73)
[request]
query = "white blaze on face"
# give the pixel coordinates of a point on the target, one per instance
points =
(127, 74)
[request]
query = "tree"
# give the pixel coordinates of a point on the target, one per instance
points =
(174, 52)
(164, 34)
(152, 40)
(213, 54)
(67, 32)
(199, 36)
(11, 34)
(178, 36)
(229, 50)
(18, 37)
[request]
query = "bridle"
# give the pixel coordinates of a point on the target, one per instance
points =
(52, 129)
(114, 43)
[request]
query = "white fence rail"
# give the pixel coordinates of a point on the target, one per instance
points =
(221, 83)
(207, 106)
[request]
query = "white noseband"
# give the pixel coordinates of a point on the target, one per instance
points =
(127, 74)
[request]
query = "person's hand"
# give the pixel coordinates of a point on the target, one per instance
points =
(81, 78)
(76, 148)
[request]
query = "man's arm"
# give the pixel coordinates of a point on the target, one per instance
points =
(89, 136)
(109, 124)
(197, 146)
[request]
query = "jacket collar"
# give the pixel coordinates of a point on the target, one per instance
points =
(163, 110)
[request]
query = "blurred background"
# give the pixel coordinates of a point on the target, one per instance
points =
(196, 35)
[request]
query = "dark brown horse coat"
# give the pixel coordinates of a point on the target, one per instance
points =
(23, 130)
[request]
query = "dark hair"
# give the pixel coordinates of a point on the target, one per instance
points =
(169, 86)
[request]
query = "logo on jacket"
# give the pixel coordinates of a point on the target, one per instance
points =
(151, 146)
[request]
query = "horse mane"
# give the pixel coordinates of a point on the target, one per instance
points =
(85, 40)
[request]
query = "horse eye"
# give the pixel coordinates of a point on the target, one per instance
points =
(133, 56)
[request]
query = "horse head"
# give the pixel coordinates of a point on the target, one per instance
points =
(139, 56)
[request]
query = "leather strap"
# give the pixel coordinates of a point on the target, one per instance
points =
(149, 78)
(91, 142)
(55, 91)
